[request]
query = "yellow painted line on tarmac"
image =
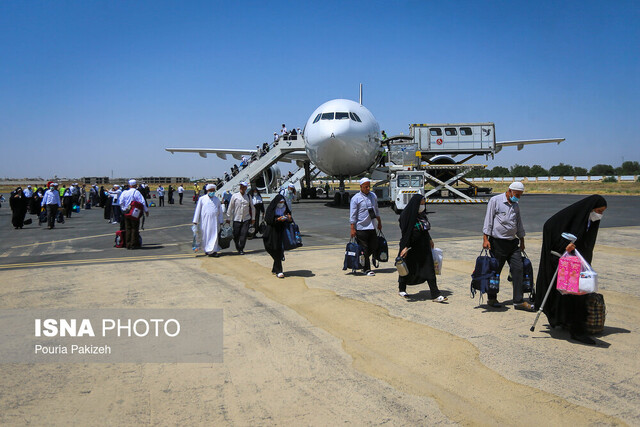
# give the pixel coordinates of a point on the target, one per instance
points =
(94, 261)
(94, 236)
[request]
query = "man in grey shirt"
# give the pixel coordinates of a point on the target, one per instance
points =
(504, 237)
(363, 210)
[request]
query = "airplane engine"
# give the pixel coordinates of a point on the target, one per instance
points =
(272, 175)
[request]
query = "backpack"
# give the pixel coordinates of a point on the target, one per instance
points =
(528, 285)
(353, 256)
(486, 267)
(226, 235)
(135, 211)
(382, 251)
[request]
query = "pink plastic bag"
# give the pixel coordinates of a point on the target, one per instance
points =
(569, 274)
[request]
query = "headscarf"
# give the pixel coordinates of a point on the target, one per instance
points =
(270, 213)
(408, 219)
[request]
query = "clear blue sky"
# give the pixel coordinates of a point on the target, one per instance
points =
(87, 87)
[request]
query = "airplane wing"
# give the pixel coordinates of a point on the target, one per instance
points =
(298, 156)
(521, 144)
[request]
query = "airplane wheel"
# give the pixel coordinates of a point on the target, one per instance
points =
(313, 193)
(337, 199)
(345, 198)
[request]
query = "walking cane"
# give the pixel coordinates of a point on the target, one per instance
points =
(572, 239)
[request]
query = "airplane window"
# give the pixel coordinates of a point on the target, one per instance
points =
(327, 116)
(342, 116)
(466, 131)
(450, 131)
(317, 118)
(404, 180)
(416, 181)
(435, 131)
(355, 118)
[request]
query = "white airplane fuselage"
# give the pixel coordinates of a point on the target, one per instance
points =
(342, 138)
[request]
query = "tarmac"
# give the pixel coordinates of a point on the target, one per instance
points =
(323, 346)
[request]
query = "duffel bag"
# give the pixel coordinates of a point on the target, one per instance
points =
(596, 313)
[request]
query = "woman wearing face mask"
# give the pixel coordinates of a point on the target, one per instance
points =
(582, 219)
(276, 217)
(415, 248)
(209, 216)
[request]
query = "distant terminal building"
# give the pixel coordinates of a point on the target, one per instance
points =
(95, 180)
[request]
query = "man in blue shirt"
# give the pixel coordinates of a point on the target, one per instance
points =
(51, 201)
(363, 210)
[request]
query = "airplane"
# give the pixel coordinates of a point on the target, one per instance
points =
(342, 139)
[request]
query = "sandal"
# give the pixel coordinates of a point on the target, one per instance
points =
(440, 299)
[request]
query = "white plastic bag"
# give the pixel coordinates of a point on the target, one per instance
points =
(437, 260)
(196, 238)
(588, 282)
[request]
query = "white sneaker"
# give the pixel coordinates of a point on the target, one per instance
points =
(280, 275)
(440, 299)
(402, 294)
(371, 273)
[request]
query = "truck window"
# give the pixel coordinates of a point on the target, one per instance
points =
(342, 116)
(450, 131)
(466, 131)
(435, 131)
(327, 116)
(416, 181)
(404, 180)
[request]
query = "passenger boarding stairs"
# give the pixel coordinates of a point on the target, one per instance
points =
(298, 176)
(258, 168)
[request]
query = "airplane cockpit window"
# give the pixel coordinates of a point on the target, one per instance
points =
(342, 116)
(435, 131)
(355, 117)
(466, 131)
(317, 118)
(450, 131)
(404, 180)
(327, 116)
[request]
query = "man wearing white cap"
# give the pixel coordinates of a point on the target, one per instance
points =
(243, 213)
(130, 200)
(289, 195)
(208, 217)
(504, 237)
(363, 210)
(51, 201)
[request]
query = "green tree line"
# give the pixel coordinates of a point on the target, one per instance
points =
(627, 168)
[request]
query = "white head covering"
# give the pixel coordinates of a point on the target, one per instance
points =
(244, 183)
(292, 186)
(210, 187)
(517, 186)
(132, 182)
(364, 180)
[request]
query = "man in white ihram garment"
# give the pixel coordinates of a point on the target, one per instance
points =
(209, 216)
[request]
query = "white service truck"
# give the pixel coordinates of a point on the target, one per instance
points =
(403, 185)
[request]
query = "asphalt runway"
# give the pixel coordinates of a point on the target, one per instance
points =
(87, 236)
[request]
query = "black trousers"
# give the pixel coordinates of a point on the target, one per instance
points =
(259, 209)
(132, 228)
(52, 214)
(180, 196)
(508, 251)
(277, 261)
(368, 239)
(160, 201)
(240, 232)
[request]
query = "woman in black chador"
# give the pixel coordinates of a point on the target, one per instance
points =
(415, 227)
(582, 219)
(18, 204)
(276, 217)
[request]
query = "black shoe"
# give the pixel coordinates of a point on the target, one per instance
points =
(493, 302)
(585, 339)
(240, 252)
